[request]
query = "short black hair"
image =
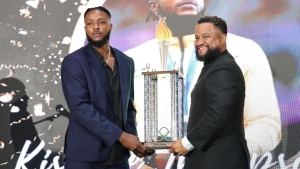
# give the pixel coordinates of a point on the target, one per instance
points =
(100, 8)
(216, 21)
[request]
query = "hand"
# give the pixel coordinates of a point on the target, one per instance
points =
(149, 152)
(177, 148)
(132, 143)
(140, 155)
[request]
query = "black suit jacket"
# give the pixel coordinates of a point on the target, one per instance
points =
(215, 126)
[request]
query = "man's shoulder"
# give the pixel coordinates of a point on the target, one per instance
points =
(77, 53)
(121, 54)
(118, 52)
(228, 64)
(225, 61)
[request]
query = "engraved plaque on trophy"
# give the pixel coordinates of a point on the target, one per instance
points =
(163, 97)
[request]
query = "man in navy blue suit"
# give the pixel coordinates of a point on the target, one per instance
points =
(97, 82)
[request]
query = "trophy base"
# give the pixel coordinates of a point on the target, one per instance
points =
(157, 145)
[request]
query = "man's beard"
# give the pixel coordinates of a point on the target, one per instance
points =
(209, 56)
(99, 43)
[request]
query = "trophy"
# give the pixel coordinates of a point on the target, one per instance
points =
(163, 97)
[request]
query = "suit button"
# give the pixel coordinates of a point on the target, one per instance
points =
(112, 115)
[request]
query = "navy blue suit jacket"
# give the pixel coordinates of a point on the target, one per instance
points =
(91, 132)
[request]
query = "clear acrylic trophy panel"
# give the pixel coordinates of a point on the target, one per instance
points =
(163, 108)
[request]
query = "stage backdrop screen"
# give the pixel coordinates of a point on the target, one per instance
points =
(36, 35)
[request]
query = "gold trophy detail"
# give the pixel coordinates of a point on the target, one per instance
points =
(163, 34)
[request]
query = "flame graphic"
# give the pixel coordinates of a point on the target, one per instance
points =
(162, 32)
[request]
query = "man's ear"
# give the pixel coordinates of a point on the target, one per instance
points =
(223, 38)
(110, 27)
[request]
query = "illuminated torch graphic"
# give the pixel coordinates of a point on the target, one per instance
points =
(163, 34)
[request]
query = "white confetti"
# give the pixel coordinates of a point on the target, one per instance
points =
(33, 3)
(23, 32)
(24, 12)
(81, 8)
(3, 84)
(19, 44)
(15, 109)
(66, 40)
(1, 145)
(38, 110)
(83, 2)
(49, 126)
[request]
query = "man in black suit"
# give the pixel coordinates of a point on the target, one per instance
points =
(215, 132)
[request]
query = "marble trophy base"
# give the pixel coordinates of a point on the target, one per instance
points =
(157, 145)
(161, 144)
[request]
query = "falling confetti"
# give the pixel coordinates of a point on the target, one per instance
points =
(23, 32)
(47, 98)
(83, 2)
(24, 12)
(66, 40)
(49, 126)
(1, 145)
(3, 163)
(33, 3)
(62, 1)
(82, 8)
(38, 110)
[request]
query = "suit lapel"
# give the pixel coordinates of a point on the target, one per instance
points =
(206, 69)
(98, 68)
(123, 75)
(202, 75)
